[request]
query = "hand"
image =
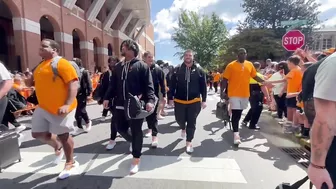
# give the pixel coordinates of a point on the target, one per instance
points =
(106, 104)
(319, 176)
(63, 110)
(203, 105)
(149, 107)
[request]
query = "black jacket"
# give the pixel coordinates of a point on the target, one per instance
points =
(137, 81)
(104, 82)
(158, 79)
(188, 83)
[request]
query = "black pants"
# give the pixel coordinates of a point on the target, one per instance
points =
(9, 117)
(81, 111)
(152, 121)
(256, 102)
(186, 116)
(210, 85)
(215, 86)
(113, 128)
(235, 117)
(281, 105)
(136, 137)
(3, 107)
(105, 111)
(330, 161)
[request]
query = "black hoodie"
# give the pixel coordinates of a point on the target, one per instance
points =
(188, 84)
(136, 81)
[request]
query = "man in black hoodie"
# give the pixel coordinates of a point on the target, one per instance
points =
(159, 87)
(188, 83)
(130, 78)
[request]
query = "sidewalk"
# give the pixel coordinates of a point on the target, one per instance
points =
(303, 142)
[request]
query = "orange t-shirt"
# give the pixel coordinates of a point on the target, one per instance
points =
(238, 76)
(18, 88)
(216, 77)
(294, 80)
(52, 94)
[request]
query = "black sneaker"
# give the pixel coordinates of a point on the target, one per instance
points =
(256, 127)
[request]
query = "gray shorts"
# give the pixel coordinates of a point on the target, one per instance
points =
(44, 121)
(237, 103)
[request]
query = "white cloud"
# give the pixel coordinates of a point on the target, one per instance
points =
(229, 10)
(330, 22)
(166, 19)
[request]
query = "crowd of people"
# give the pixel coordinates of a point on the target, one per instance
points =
(134, 90)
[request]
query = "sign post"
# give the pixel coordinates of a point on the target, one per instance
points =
(293, 40)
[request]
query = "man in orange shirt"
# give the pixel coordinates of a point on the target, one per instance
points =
(294, 80)
(54, 117)
(236, 79)
(216, 78)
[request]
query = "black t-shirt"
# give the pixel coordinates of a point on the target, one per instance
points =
(308, 81)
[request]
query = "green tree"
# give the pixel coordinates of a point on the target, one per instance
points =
(270, 13)
(204, 34)
(259, 43)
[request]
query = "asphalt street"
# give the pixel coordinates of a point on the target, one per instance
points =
(257, 163)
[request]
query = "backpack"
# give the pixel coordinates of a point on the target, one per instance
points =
(54, 66)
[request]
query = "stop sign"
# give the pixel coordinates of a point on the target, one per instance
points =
(293, 40)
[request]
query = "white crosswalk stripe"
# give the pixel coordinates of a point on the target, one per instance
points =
(222, 170)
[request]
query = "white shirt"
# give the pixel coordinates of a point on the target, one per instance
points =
(325, 79)
(4, 73)
(278, 86)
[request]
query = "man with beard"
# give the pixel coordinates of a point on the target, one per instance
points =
(187, 84)
(131, 79)
(159, 84)
(236, 78)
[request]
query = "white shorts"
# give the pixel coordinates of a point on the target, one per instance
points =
(237, 103)
(44, 121)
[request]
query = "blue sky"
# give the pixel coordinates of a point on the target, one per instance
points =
(164, 15)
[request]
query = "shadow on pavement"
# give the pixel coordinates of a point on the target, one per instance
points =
(50, 182)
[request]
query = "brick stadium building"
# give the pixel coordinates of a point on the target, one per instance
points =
(88, 29)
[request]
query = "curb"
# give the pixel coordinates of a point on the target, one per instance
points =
(303, 142)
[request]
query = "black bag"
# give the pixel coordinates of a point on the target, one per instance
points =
(16, 101)
(135, 108)
(222, 112)
(9, 148)
(298, 184)
(32, 98)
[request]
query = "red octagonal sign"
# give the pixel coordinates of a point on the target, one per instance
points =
(293, 40)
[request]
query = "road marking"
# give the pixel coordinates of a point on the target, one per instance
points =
(221, 170)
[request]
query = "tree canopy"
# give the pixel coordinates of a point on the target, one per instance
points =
(270, 14)
(204, 34)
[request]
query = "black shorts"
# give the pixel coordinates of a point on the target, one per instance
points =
(291, 102)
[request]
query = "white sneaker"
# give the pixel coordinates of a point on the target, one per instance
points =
(59, 157)
(69, 170)
(111, 145)
(160, 117)
(183, 134)
(130, 148)
(77, 131)
(134, 169)
(20, 128)
(88, 127)
(155, 143)
(236, 139)
(148, 134)
(189, 149)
